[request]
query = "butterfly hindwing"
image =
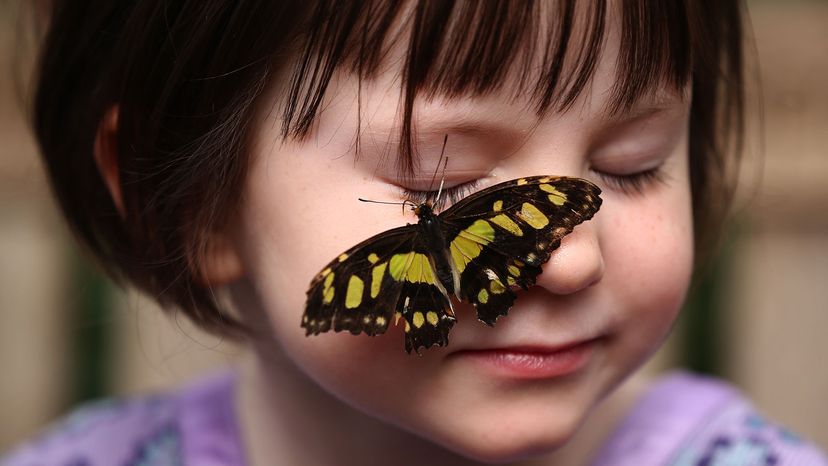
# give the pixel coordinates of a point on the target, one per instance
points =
(427, 314)
(499, 238)
(386, 277)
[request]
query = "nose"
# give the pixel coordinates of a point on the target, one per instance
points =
(576, 265)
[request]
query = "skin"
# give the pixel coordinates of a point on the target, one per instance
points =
(343, 399)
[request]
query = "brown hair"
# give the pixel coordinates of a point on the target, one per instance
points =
(186, 75)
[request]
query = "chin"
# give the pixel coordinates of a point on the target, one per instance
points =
(511, 448)
(506, 439)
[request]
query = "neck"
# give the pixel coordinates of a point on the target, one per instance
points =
(286, 418)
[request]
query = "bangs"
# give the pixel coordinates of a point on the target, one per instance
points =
(546, 52)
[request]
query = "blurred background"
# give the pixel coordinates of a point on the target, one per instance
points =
(759, 318)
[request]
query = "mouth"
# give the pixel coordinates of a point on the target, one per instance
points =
(530, 361)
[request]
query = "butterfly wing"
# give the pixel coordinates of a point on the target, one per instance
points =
(388, 276)
(499, 237)
(428, 316)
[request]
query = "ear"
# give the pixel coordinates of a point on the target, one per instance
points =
(220, 265)
(106, 156)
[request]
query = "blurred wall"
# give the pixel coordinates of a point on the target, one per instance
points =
(778, 347)
(775, 315)
(31, 244)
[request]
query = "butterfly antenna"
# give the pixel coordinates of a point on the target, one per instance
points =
(380, 202)
(403, 203)
(436, 169)
(442, 181)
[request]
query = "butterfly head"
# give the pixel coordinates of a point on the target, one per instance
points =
(424, 210)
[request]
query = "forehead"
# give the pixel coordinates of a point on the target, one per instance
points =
(501, 109)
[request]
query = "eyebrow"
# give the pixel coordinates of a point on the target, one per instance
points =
(471, 122)
(646, 107)
(451, 124)
(637, 115)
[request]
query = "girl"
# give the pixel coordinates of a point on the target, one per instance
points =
(211, 152)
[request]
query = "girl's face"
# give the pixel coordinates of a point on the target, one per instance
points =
(617, 282)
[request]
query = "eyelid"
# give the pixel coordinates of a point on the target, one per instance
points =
(639, 145)
(452, 177)
(641, 153)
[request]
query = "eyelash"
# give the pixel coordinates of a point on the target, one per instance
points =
(631, 184)
(449, 195)
(634, 183)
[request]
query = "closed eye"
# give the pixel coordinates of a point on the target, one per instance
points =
(633, 183)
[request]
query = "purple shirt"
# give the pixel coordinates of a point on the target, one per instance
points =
(682, 420)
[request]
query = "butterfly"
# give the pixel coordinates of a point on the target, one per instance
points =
(480, 250)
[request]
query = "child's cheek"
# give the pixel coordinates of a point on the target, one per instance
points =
(651, 265)
(295, 221)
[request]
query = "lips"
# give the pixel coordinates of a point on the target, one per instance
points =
(530, 361)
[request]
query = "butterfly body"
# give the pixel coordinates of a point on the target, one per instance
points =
(480, 250)
(435, 242)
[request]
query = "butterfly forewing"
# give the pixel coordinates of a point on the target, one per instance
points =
(499, 238)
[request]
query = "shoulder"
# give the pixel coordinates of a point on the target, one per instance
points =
(103, 432)
(148, 430)
(687, 419)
